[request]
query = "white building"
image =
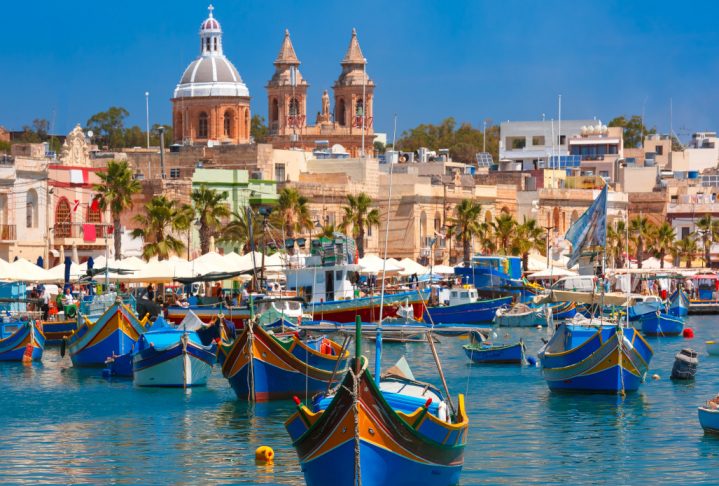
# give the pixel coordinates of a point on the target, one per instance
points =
(702, 152)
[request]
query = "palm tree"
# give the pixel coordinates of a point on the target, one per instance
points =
(466, 224)
(640, 229)
(529, 236)
(485, 235)
(328, 230)
(237, 231)
(705, 226)
(664, 237)
(115, 192)
(616, 242)
(360, 217)
(211, 209)
(292, 213)
(504, 230)
(160, 219)
(688, 247)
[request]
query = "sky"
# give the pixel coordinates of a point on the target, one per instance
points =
(473, 60)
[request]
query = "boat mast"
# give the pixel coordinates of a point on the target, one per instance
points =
(378, 342)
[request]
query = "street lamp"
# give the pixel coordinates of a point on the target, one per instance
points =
(487, 121)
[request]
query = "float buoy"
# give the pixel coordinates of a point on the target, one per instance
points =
(531, 361)
(264, 455)
(655, 377)
(688, 333)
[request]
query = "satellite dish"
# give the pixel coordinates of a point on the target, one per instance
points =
(90, 134)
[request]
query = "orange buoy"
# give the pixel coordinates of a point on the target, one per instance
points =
(264, 455)
(688, 333)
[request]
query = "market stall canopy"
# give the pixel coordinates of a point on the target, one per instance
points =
(411, 267)
(209, 263)
(76, 272)
(372, 264)
(25, 271)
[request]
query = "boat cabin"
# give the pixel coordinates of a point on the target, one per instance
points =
(706, 286)
(493, 274)
(579, 283)
(460, 295)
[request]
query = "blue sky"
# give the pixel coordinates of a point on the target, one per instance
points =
(472, 60)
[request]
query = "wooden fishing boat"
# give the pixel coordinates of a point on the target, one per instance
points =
(114, 332)
(398, 432)
(602, 357)
(643, 305)
(661, 324)
(56, 330)
(678, 303)
(172, 357)
(464, 307)
(21, 341)
(238, 315)
(520, 315)
(712, 347)
(481, 350)
(261, 365)
(709, 416)
(563, 310)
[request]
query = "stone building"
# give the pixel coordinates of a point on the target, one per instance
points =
(211, 103)
(342, 129)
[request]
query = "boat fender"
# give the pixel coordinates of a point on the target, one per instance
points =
(532, 361)
(655, 377)
(264, 455)
(688, 333)
(442, 412)
(325, 346)
(63, 345)
(627, 343)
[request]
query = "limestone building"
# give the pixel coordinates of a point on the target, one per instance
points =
(211, 103)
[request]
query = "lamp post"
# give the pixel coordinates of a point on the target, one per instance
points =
(487, 121)
(147, 117)
(548, 229)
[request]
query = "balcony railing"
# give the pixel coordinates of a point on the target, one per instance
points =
(7, 232)
(77, 230)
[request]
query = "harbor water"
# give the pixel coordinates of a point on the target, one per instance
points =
(65, 425)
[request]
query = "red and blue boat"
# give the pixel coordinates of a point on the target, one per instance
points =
(399, 432)
(603, 357)
(115, 332)
(262, 366)
(21, 341)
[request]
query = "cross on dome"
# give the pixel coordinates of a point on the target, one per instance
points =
(210, 8)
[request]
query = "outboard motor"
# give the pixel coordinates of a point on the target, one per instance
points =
(685, 364)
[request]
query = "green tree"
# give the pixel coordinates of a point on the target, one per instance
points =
(258, 129)
(617, 242)
(211, 210)
(465, 225)
(634, 130)
(360, 215)
(292, 213)
(237, 231)
(328, 230)
(504, 227)
(688, 248)
(640, 230)
(115, 193)
(663, 241)
(109, 126)
(706, 230)
(379, 147)
(162, 217)
(5, 146)
(155, 135)
(529, 236)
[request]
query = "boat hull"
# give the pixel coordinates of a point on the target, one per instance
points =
(27, 343)
(259, 368)
(176, 366)
(238, 315)
(660, 324)
(709, 419)
(367, 308)
(481, 312)
(529, 319)
(114, 333)
(55, 331)
(678, 303)
(391, 451)
(601, 364)
(495, 354)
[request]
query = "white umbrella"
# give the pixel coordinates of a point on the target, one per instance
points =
(411, 267)
(373, 264)
(25, 271)
(5, 270)
(552, 272)
(442, 270)
(57, 272)
(208, 263)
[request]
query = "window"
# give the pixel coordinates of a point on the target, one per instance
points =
(562, 140)
(338, 275)
(516, 143)
(227, 123)
(294, 107)
(215, 43)
(359, 110)
(279, 172)
(685, 232)
(208, 45)
(202, 126)
(659, 150)
(340, 116)
(63, 219)
(31, 209)
(175, 173)
(95, 216)
(604, 173)
(538, 140)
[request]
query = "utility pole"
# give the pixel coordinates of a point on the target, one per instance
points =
(147, 117)
(548, 229)
(162, 151)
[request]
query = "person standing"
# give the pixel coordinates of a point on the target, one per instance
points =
(150, 292)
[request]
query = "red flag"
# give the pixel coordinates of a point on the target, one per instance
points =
(95, 204)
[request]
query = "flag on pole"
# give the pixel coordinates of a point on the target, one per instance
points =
(590, 229)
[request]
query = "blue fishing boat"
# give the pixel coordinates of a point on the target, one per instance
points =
(602, 357)
(678, 303)
(464, 307)
(643, 305)
(21, 341)
(482, 351)
(114, 332)
(661, 324)
(261, 365)
(172, 357)
(497, 276)
(398, 431)
(709, 416)
(520, 315)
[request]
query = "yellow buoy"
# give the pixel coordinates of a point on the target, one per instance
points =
(264, 454)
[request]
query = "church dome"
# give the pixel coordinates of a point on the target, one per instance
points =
(211, 74)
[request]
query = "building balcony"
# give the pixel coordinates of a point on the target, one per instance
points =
(69, 234)
(8, 232)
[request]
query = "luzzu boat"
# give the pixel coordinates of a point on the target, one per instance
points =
(263, 366)
(56, 330)
(678, 303)
(661, 324)
(172, 357)
(115, 332)
(602, 357)
(520, 315)
(464, 307)
(396, 433)
(21, 341)
(709, 416)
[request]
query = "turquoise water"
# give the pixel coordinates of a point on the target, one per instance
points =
(63, 425)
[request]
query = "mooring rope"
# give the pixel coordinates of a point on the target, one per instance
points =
(355, 411)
